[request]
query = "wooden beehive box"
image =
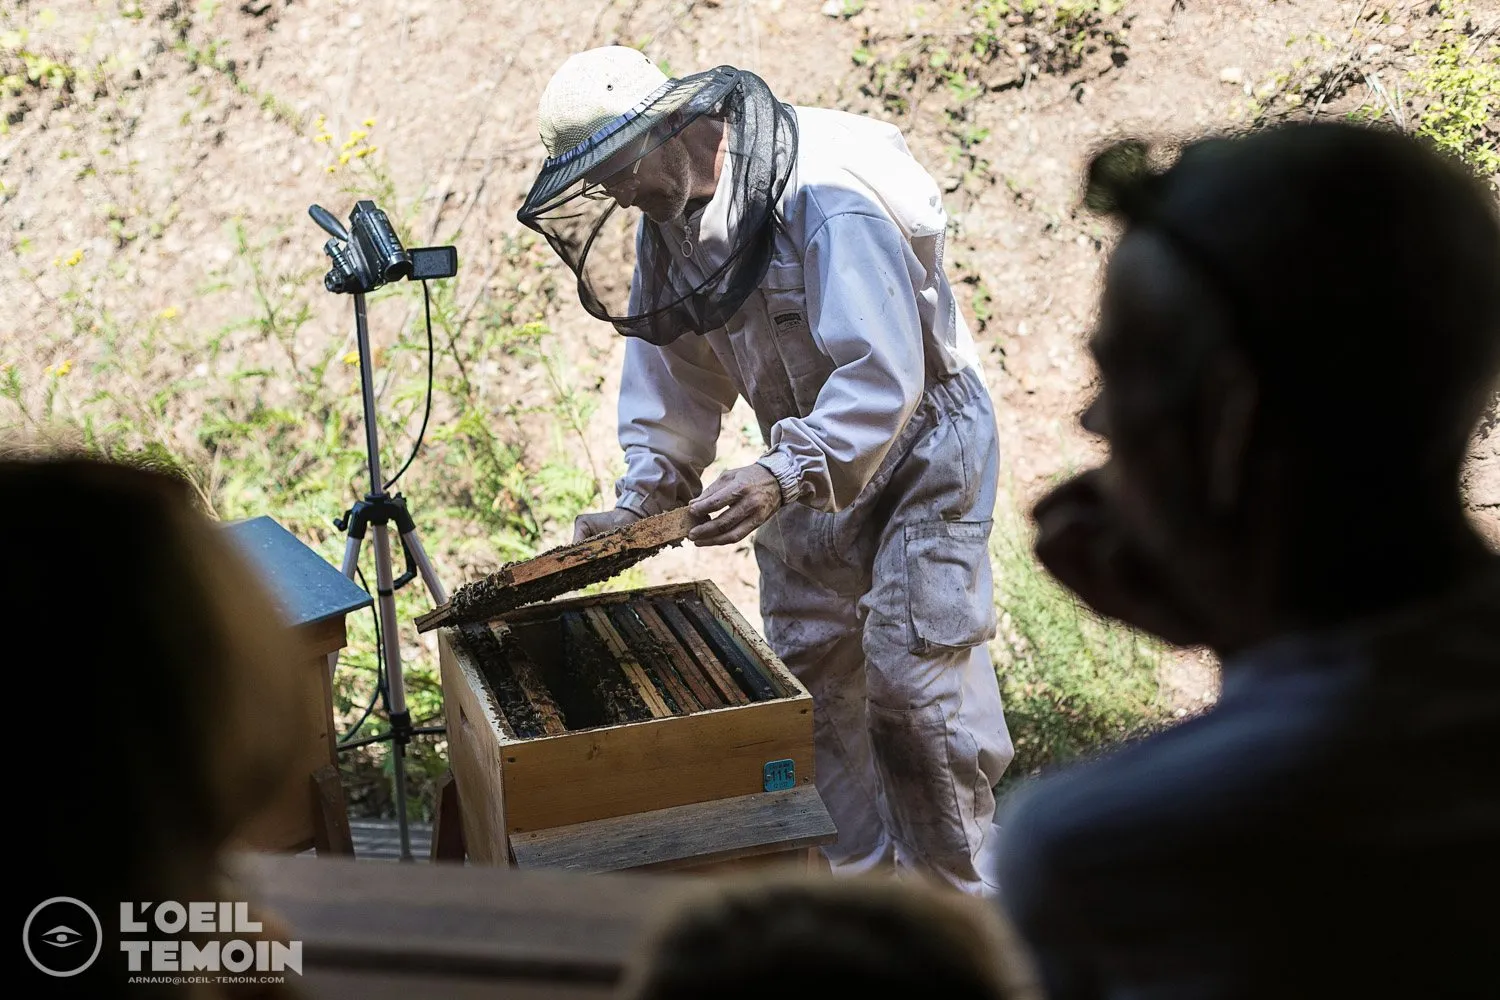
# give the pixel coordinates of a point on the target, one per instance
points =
(659, 705)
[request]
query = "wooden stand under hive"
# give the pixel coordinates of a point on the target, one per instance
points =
(646, 729)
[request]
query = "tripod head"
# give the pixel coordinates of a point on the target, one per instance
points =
(369, 254)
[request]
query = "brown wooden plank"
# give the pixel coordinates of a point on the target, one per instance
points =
(649, 532)
(682, 836)
(783, 678)
(687, 668)
(617, 770)
(785, 862)
(629, 665)
(650, 654)
(330, 815)
(563, 569)
(733, 651)
(474, 746)
(736, 658)
(694, 644)
(329, 727)
(447, 828)
(288, 820)
(324, 637)
(552, 609)
(529, 678)
(449, 921)
(715, 599)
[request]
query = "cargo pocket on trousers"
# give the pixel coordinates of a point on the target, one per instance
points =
(950, 590)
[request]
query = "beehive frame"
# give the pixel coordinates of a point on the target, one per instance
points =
(511, 784)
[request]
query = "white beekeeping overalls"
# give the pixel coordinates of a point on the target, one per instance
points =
(876, 584)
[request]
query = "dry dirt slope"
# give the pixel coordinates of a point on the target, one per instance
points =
(191, 133)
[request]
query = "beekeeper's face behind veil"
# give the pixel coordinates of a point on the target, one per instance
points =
(662, 183)
(631, 151)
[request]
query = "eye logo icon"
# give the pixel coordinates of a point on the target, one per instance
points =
(62, 936)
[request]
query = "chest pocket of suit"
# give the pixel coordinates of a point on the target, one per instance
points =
(785, 293)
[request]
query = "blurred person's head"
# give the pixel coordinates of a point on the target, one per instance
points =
(787, 938)
(1299, 331)
(141, 648)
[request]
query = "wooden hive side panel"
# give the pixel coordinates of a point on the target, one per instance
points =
(621, 770)
(475, 739)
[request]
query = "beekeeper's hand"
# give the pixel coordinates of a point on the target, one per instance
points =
(589, 525)
(747, 496)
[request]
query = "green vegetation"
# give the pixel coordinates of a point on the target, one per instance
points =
(1446, 88)
(262, 412)
(992, 45)
(270, 421)
(1459, 85)
(1071, 683)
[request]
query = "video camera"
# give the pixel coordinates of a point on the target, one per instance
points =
(373, 255)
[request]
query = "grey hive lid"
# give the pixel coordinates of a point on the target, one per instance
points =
(308, 588)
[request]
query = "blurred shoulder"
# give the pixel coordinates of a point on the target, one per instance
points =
(1227, 775)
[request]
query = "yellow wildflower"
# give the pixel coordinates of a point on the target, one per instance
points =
(171, 312)
(352, 358)
(74, 258)
(365, 152)
(369, 123)
(343, 158)
(65, 367)
(331, 168)
(323, 137)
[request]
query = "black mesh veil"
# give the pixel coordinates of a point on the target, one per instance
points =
(674, 292)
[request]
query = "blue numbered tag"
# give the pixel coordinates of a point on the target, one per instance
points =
(780, 775)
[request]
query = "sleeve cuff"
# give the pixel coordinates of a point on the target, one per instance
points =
(637, 503)
(787, 474)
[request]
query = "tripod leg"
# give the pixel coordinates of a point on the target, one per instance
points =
(424, 566)
(351, 556)
(390, 635)
(349, 568)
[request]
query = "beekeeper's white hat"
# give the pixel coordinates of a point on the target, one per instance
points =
(591, 89)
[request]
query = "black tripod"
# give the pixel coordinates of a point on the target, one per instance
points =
(372, 257)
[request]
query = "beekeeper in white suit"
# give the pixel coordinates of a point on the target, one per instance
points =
(793, 256)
